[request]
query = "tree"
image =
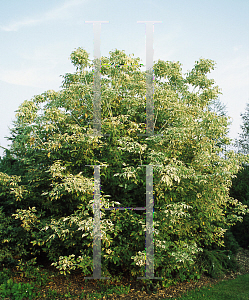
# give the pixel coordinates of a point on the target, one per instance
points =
(53, 197)
(243, 142)
(221, 110)
(240, 191)
(240, 184)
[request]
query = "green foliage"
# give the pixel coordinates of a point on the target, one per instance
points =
(80, 58)
(240, 184)
(240, 191)
(216, 262)
(48, 202)
(16, 290)
(230, 242)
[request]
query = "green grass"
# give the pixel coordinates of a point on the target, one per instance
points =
(236, 289)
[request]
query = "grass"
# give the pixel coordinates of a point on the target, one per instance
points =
(236, 289)
(37, 283)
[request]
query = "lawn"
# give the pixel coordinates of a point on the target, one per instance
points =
(237, 289)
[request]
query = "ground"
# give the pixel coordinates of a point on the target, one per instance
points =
(76, 279)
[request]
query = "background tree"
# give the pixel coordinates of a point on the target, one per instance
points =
(243, 142)
(221, 110)
(240, 184)
(53, 198)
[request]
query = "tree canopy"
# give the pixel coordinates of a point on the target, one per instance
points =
(51, 193)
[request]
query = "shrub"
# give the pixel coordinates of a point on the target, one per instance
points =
(52, 198)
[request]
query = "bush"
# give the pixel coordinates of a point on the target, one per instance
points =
(48, 203)
(216, 263)
(230, 242)
(240, 190)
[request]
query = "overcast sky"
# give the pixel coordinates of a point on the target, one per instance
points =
(37, 38)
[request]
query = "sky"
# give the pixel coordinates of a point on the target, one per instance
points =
(37, 38)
